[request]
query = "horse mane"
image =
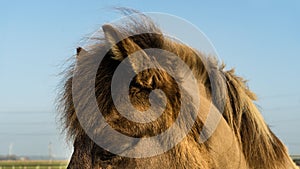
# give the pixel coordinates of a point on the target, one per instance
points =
(261, 148)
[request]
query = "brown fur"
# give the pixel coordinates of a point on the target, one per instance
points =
(242, 139)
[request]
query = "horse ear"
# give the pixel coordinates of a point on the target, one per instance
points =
(113, 37)
(122, 48)
(80, 52)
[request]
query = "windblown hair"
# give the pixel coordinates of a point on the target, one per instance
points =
(259, 147)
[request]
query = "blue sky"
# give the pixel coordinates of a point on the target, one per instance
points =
(260, 39)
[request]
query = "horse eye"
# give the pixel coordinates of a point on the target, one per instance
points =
(104, 155)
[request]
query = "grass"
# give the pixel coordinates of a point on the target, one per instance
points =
(40, 164)
(33, 164)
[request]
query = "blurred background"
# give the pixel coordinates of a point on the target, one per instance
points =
(261, 39)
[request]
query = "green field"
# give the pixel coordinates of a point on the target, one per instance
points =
(33, 164)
